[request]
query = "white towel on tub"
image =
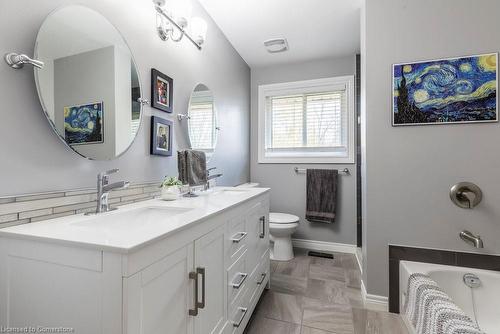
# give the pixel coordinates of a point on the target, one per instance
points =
(431, 311)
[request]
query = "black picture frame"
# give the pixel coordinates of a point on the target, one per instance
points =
(161, 143)
(162, 91)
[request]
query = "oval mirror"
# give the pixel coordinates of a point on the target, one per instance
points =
(89, 87)
(202, 120)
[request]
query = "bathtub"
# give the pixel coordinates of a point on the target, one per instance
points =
(450, 279)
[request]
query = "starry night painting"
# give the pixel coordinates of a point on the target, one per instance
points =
(453, 90)
(83, 124)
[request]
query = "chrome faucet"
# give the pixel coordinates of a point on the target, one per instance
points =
(104, 187)
(474, 240)
(210, 177)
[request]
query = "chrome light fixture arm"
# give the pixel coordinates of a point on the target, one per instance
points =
(168, 33)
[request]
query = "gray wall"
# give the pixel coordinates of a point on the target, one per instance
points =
(287, 187)
(409, 170)
(32, 157)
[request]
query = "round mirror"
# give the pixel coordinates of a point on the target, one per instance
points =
(89, 87)
(202, 120)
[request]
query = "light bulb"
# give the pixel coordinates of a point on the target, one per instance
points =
(198, 29)
(181, 11)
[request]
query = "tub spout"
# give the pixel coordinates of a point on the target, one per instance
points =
(474, 240)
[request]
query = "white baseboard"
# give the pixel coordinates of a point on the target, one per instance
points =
(328, 246)
(374, 302)
(359, 258)
(324, 246)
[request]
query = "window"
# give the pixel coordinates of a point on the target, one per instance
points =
(202, 128)
(308, 121)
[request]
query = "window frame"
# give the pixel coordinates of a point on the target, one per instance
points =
(304, 87)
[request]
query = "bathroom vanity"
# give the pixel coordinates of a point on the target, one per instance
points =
(195, 265)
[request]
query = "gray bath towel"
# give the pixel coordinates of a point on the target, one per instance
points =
(192, 167)
(321, 193)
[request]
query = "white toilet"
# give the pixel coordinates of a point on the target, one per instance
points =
(281, 228)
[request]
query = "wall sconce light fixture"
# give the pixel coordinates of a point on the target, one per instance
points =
(174, 21)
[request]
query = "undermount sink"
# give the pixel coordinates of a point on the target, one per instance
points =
(232, 191)
(131, 219)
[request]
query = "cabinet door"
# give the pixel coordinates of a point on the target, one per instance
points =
(209, 262)
(258, 234)
(158, 299)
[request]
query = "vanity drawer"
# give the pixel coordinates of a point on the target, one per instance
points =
(237, 238)
(239, 315)
(258, 279)
(237, 278)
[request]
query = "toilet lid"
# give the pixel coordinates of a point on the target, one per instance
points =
(282, 218)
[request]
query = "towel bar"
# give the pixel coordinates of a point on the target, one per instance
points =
(344, 171)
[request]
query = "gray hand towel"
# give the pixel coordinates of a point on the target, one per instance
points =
(321, 195)
(181, 166)
(196, 167)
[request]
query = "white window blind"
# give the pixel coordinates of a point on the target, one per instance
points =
(202, 125)
(306, 120)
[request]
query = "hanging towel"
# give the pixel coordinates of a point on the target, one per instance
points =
(195, 167)
(181, 166)
(431, 311)
(321, 195)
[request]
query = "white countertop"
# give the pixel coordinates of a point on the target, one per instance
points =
(135, 225)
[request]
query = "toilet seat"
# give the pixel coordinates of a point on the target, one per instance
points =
(282, 218)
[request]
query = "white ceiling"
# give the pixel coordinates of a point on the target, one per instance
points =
(314, 28)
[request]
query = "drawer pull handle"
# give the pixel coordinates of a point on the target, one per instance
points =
(194, 276)
(263, 277)
(263, 222)
(243, 277)
(236, 239)
(201, 271)
(243, 311)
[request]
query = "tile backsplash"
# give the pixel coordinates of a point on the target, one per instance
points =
(31, 208)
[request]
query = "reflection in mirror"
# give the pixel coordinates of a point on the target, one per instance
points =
(202, 120)
(89, 86)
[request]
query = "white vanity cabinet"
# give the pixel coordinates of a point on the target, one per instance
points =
(204, 278)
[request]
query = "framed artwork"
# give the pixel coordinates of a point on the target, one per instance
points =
(161, 136)
(84, 124)
(446, 91)
(161, 91)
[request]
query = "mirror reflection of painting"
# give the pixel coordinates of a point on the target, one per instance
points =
(453, 90)
(162, 135)
(83, 124)
(162, 87)
(88, 67)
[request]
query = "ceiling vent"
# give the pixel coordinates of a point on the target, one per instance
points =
(276, 45)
